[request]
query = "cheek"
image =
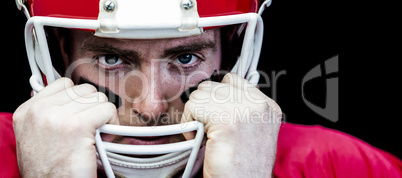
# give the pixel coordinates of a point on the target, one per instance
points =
(81, 70)
(206, 69)
(173, 86)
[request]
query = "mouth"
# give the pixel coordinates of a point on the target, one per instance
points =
(145, 140)
(142, 140)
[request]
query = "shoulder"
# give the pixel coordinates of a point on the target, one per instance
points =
(304, 138)
(8, 163)
(316, 151)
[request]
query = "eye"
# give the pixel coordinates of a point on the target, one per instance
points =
(109, 60)
(186, 59)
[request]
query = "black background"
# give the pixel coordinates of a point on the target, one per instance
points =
(299, 35)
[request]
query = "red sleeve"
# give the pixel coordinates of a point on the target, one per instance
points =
(8, 156)
(315, 151)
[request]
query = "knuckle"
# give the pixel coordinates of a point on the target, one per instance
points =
(274, 106)
(20, 112)
(102, 97)
(187, 105)
(67, 82)
(17, 117)
(228, 78)
(34, 113)
(229, 75)
(109, 107)
(205, 84)
(194, 95)
(89, 87)
(37, 106)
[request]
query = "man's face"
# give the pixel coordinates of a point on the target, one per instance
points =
(148, 75)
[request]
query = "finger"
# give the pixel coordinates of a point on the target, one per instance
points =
(187, 117)
(190, 135)
(98, 115)
(70, 94)
(237, 81)
(200, 97)
(50, 90)
(82, 103)
(219, 92)
(54, 88)
(209, 85)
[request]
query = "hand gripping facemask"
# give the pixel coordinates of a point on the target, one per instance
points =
(142, 19)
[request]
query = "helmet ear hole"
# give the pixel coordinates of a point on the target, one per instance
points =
(232, 39)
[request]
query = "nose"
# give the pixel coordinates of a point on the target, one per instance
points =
(151, 107)
(150, 103)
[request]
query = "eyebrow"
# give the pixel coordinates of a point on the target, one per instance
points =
(108, 49)
(190, 47)
(98, 46)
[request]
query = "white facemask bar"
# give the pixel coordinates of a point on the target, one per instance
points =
(39, 60)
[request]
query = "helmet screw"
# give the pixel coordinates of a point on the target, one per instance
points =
(109, 6)
(187, 4)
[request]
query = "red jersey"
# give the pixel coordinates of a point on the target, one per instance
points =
(315, 151)
(8, 155)
(302, 151)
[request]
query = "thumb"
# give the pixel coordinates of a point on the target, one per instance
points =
(187, 117)
(114, 119)
(189, 135)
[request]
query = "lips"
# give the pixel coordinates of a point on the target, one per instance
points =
(145, 140)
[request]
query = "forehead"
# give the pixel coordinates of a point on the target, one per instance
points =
(83, 40)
